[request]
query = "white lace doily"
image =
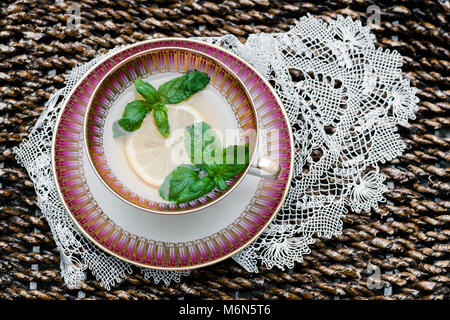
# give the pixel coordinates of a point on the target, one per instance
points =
(344, 108)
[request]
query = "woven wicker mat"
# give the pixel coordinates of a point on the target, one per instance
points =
(406, 238)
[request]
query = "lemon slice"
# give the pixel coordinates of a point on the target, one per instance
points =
(151, 156)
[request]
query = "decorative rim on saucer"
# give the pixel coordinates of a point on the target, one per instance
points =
(142, 65)
(106, 234)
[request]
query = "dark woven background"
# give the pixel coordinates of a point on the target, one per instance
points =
(407, 237)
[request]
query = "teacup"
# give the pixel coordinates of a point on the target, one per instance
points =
(226, 94)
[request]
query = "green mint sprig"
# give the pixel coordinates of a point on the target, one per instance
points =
(186, 183)
(212, 165)
(171, 92)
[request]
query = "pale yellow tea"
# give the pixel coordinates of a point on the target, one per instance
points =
(142, 159)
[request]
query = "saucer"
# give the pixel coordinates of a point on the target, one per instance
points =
(165, 242)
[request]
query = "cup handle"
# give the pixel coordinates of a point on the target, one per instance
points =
(265, 168)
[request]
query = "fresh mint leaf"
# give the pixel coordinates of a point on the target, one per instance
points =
(196, 81)
(146, 90)
(161, 119)
(133, 115)
(181, 88)
(202, 144)
(118, 131)
(186, 183)
(235, 160)
(199, 188)
(220, 182)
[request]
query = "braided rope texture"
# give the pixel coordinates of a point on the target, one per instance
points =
(398, 251)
